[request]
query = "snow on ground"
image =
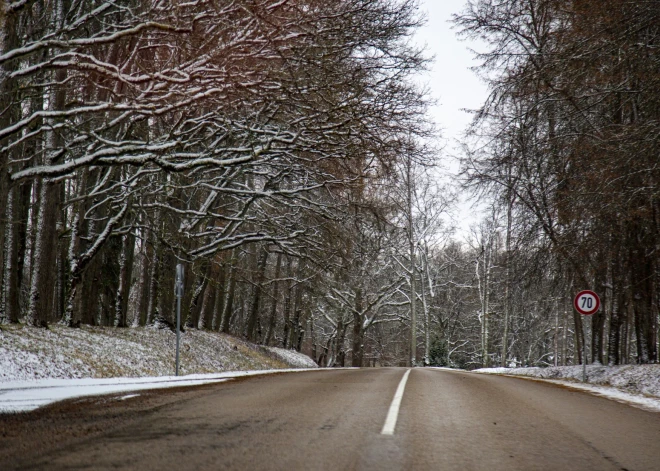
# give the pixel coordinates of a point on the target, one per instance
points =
(24, 396)
(102, 352)
(293, 358)
(39, 366)
(638, 385)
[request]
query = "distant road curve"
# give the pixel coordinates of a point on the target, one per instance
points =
(333, 420)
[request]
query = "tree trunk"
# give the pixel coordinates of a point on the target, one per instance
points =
(154, 280)
(62, 265)
(302, 329)
(312, 334)
(556, 336)
(44, 258)
(228, 307)
(256, 295)
(297, 306)
(18, 207)
(564, 340)
(193, 317)
(208, 298)
(642, 276)
(358, 330)
(219, 300)
(597, 327)
(484, 286)
(276, 295)
(579, 336)
(295, 323)
(341, 337)
(507, 277)
(9, 108)
(142, 285)
(287, 306)
(629, 326)
(125, 279)
(44, 270)
(614, 344)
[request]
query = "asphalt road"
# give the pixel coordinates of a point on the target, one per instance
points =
(333, 419)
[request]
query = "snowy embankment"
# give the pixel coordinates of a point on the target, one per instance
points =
(39, 366)
(637, 385)
(24, 396)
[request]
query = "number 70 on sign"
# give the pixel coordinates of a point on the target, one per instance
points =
(586, 302)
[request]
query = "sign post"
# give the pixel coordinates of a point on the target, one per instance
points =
(178, 291)
(586, 302)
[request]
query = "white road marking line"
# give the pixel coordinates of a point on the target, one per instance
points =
(128, 396)
(393, 414)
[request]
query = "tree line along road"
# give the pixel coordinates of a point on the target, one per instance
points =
(336, 419)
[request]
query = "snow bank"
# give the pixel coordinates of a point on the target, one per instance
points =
(102, 352)
(635, 384)
(293, 358)
(24, 396)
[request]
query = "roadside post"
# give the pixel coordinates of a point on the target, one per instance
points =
(586, 302)
(178, 291)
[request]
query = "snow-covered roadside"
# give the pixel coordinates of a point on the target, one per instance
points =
(105, 352)
(24, 396)
(637, 385)
(292, 357)
(41, 366)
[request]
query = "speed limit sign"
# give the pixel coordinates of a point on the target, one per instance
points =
(586, 302)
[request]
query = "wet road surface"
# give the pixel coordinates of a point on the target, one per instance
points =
(334, 419)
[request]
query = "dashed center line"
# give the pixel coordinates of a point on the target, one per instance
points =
(393, 413)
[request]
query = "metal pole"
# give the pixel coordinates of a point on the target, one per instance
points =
(584, 350)
(178, 290)
(584, 360)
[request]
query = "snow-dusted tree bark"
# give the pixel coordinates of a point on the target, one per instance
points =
(253, 316)
(219, 299)
(484, 267)
(413, 263)
(228, 304)
(9, 18)
(125, 280)
(272, 318)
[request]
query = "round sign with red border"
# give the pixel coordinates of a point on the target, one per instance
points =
(586, 302)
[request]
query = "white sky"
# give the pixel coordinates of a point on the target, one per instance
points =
(453, 85)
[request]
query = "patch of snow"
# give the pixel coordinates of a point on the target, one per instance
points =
(294, 358)
(40, 366)
(637, 385)
(24, 396)
(101, 352)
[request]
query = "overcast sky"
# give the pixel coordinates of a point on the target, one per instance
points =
(453, 85)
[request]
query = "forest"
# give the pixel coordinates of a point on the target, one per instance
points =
(281, 151)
